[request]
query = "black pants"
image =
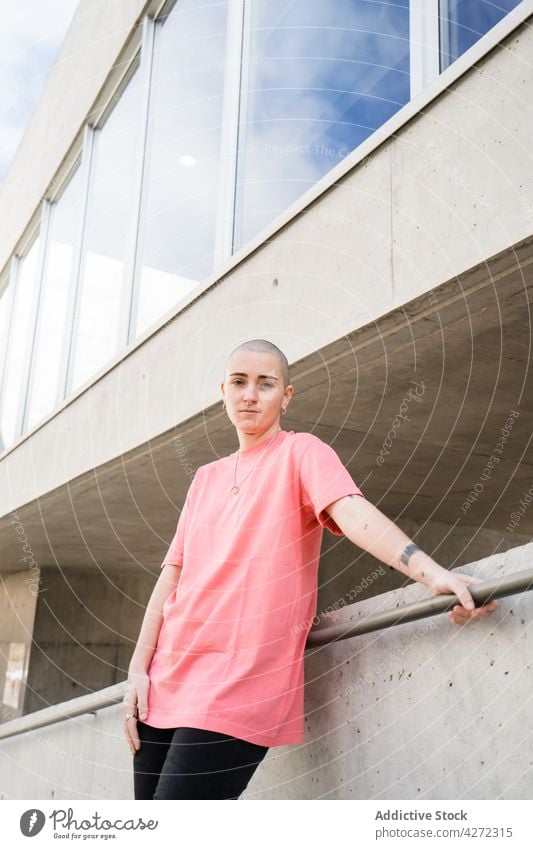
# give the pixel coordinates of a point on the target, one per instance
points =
(192, 763)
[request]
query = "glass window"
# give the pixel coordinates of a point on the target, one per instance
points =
(463, 22)
(64, 221)
(5, 303)
(5, 293)
(183, 161)
(318, 79)
(110, 218)
(15, 380)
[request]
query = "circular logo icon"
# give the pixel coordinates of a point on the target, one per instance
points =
(31, 822)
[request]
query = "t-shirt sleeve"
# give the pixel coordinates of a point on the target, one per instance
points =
(174, 555)
(324, 479)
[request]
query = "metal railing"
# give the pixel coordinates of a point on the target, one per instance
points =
(481, 593)
(88, 704)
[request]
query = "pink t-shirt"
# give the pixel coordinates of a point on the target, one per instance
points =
(230, 651)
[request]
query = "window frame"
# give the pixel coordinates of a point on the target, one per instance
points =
(35, 316)
(89, 161)
(8, 292)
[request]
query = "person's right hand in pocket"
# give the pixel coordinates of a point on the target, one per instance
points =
(135, 706)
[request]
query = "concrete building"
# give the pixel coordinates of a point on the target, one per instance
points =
(353, 181)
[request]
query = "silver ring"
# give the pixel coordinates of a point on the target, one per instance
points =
(130, 716)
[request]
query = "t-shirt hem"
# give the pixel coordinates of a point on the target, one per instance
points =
(231, 728)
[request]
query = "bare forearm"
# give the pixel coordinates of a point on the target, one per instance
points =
(153, 618)
(370, 529)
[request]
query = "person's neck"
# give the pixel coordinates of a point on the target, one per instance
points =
(248, 440)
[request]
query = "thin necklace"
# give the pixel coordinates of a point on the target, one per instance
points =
(234, 489)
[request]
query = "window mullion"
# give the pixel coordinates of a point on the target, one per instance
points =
(35, 317)
(424, 44)
(73, 305)
(129, 304)
(229, 133)
(4, 353)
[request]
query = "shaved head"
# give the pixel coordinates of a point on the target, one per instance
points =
(262, 346)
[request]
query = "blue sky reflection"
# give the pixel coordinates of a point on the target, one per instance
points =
(315, 91)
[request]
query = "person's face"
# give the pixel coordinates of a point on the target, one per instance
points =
(253, 391)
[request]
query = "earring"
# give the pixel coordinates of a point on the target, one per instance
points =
(283, 410)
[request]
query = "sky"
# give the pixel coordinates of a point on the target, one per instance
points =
(31, 34)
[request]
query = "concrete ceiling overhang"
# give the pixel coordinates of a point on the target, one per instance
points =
(416, 404)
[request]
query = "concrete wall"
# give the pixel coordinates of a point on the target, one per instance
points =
(82, 758)
(427, 710)
(86, 627)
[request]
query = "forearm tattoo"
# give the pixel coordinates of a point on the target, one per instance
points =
(407, 552)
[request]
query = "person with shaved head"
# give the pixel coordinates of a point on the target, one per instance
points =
(217, 675)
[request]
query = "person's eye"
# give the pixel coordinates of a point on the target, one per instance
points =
(236, 381)
(267, 384)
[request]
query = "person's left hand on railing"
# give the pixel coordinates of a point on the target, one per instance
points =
(449, 583)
